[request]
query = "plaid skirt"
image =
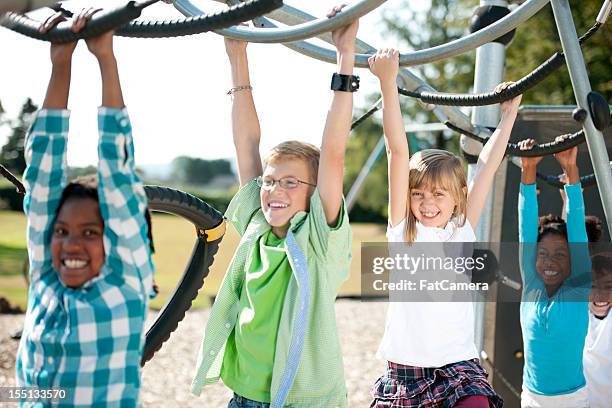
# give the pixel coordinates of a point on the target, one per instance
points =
(413, 387)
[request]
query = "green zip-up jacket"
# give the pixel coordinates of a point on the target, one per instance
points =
(308, 369)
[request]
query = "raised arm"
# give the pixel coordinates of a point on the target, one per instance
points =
(45, 155)
(575, 216)
(490, 158)
(337, 125)
(528, 217)
(385, 65)
(121, 193)
(245, 123)
(61, 62)
(528, 201)
(574, 207)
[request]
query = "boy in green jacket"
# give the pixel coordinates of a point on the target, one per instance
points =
(272, 335)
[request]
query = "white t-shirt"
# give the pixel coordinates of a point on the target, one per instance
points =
(597, 360)
(429, 334)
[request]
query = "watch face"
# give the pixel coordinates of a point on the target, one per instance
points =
(347, 83)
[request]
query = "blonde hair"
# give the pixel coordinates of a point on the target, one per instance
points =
(294, 149)
(433, 168)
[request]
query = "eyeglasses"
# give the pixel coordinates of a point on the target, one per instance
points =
(286, 183)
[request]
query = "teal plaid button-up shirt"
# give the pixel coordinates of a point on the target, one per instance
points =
(88, 340)
(308, 369)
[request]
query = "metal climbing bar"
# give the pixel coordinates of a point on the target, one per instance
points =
(289, 15)
(313, 28)
(289, 34)
(582, 87)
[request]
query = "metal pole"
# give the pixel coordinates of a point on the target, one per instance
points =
(351, 197)
(355, 189)
(489, 72)
(582, 87)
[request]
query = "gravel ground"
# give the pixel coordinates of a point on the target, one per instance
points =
(166, 378)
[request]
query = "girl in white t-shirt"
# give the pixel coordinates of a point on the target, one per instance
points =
(429, 346)
(597, 357)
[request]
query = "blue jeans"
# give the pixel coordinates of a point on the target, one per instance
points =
(242, 402)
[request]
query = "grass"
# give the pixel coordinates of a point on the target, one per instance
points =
(174, 240)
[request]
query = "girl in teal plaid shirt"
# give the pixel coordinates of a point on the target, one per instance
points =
(89, 248)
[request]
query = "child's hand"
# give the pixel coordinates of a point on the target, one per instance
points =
(60, 53)
(566, 158)
(344, 37)
(528, 162)
(508, 108)
(235, 48)
(101, 46)
(385, 64)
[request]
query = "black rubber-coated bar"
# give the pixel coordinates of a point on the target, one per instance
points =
(586, 181)
(366, 115)
(204, 217)
(544, 149)
(195, 25)
(111, 20)
(100, 23)
(490, 98)
(14, 180)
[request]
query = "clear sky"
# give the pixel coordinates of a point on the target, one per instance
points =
(175, 88)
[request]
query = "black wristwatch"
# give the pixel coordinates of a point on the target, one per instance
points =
(346, 83)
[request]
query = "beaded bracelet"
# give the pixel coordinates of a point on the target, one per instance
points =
(239, 88)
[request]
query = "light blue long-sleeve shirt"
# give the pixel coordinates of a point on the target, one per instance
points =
(554, 328)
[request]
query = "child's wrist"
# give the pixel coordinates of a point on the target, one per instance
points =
(347, 50)
(572, 174)
(106, 58)
(387, 84)
(236, 57)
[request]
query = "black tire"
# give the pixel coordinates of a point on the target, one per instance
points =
(204, 217)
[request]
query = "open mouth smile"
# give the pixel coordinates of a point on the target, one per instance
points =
(275, 205)
(429, 214)
(71, 263)
(550, 273)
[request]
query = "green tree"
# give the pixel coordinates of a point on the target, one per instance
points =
(538, 38)
(11, 154)
(192, 170)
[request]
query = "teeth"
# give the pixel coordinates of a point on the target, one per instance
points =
(74, 263)
(278, 205)
(601, 303)
(429, 214)
(550, 273)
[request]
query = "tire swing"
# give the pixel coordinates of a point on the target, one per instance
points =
(210, 228)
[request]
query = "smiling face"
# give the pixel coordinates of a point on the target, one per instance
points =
(432, 207)
(77, 249)
(601, 292)
(437, 190)
(279, 205)
(553, 260)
